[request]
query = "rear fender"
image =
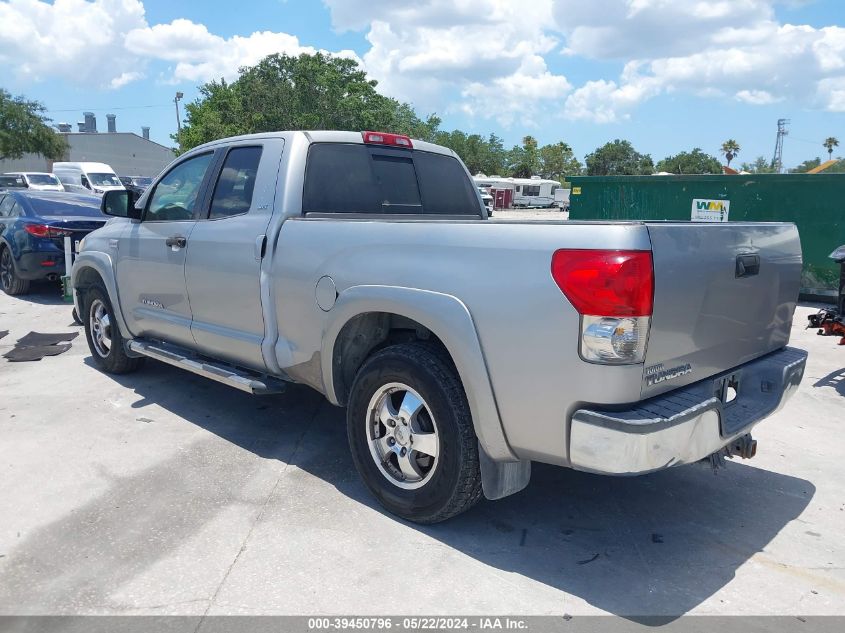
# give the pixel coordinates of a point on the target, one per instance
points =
(450, 320)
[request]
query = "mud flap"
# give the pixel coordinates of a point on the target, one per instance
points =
(500, 479)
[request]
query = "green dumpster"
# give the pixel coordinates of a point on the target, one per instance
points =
(815, 202)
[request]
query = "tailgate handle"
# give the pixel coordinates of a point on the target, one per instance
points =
(747, 265)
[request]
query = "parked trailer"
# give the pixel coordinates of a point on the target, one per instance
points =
(527, 192)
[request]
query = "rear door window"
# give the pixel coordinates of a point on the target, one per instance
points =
(353, 178)
(234, 188)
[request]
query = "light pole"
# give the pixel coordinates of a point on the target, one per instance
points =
(176, 99)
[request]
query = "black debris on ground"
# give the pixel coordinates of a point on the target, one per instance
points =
(36, 338)
(22, 354)
(35, 346)
(3, 333)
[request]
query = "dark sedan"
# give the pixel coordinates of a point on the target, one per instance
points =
(33, 225)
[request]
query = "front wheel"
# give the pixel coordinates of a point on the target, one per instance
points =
(411, 434)
(103, 334)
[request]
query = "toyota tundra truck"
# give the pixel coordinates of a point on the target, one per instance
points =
(364, 265)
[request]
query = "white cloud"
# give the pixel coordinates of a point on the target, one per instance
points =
(712, 50)
(757, 97)
(73, 39)
(491, 59)
(483, 57)
(125, 78)
(200, 55)
(641, 29)
(522, 94)
(93, 43)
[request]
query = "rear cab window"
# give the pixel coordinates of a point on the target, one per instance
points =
(380, 180)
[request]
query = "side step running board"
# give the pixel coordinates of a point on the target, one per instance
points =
(231, 376)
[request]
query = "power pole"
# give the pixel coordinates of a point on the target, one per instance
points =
(176, 99)
(777, 159)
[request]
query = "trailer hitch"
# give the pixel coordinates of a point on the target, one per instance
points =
(744, 446)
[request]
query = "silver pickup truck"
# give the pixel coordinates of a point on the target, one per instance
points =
(365, 266)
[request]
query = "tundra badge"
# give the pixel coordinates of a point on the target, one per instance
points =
(656, 374)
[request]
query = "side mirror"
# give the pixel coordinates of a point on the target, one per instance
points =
(120, 203)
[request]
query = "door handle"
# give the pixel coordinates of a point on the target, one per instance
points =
(176, 241)
(747, 265)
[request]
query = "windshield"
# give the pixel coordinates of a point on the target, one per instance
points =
(104, 180)
(42, 179)
(142, 182)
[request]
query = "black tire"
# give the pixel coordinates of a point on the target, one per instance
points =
(454, 484)
(10, 282)
(112, 360)
(75, 315)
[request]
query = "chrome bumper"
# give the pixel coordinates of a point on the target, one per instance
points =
(684, 425)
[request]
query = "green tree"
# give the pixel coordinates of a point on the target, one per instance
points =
(524, 161)
(308, 92)
(496, 156)
(618, 158)
(558, 161)
(694, 162)
(829, 143)
(24, 129)
(760, 166)
(806, 166)
(730, 149)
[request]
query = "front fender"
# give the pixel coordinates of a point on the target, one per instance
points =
(450, 320)
(103, 265)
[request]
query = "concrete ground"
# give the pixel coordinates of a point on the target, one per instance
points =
(165, 493)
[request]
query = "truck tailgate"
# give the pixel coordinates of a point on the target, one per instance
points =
(724, 294)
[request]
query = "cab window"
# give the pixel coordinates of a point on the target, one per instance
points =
(175, 195)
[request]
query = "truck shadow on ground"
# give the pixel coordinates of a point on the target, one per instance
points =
(835, 379)
(658, 545)
(47, 293)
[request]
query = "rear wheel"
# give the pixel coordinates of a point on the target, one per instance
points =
(104, 339)
(411, 434)
(9, 280)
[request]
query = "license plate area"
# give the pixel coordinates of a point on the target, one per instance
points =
(727, 389)
(736, 410)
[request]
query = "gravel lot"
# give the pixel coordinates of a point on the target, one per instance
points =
(165, 493)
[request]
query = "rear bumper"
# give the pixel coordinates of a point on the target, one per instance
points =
(41, 264)
(684, 425)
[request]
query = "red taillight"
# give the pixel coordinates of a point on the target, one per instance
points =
(386, 138)
(604, 282)
(42, 230)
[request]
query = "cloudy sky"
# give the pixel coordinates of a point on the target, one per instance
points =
(667, 74)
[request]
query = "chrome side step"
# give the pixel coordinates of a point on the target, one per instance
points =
(231, 376)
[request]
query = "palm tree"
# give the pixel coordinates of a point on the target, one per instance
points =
(730, 149)
(829, 143)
